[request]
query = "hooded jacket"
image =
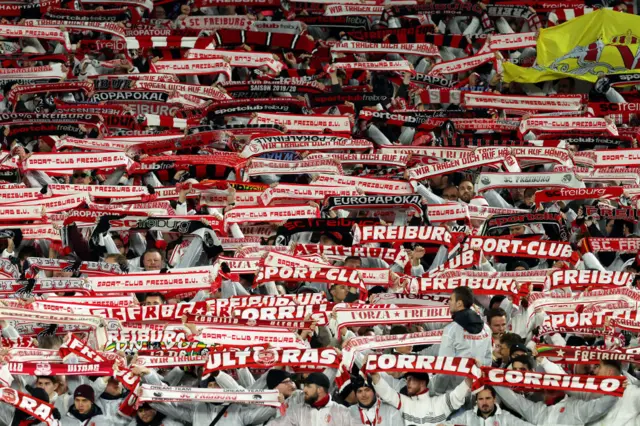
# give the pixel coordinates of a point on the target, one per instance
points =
(93, 417)
(379, 414)
(467, 336)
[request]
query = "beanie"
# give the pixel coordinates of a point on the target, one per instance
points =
(275, 377)
(318, 379)
(38, 393)
(85, 391)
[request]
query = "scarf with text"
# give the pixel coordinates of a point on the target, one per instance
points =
(563, 382)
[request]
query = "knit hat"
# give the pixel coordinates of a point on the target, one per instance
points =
(38, 393)
(358, 382)
(318, 379)
(85, 391)
(275, 377)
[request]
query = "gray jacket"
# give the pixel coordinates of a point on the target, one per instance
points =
(332, 414)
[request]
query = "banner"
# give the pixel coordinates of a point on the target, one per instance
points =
(602, 41)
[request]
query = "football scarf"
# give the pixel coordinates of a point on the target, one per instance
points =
(323, 358)
(581, 279)
(149, 393)
(465, 367)
(35, 407)
(563, 382)
(383, 314)
(585, 355)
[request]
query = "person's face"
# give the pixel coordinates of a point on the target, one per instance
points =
(146, 414)
(81, 178)
(83, 405)
(517, 365)
(365, 396)
(517, 230)
(519, 268)
(152, 301)
(498, 326)
(415, 386)
(339, 293)
(353, 263)
(160, 13)
(584, 369)
(326, 241)
(486, 402)
(286, 387)
(311, 393)
(113, 388)
(604, 370)
(528, 200)
(465, 191)
(185, 10)
(450, 193)
(119, 245)
(504, 352)
(47, 385)
(152, 261)
(609, 227)
(455, 305)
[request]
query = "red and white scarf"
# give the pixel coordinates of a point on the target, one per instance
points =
(30, 405)
(149, 393)
(305, 123)
(268, 358)
(399, 66)
(192, 67)
(564, 382)
(528, 103)
(567, 124)
(369, 185)
(423, 234)
(417, 49)
(492, 246)
(581, 279)
(383, 314)
(263, 144)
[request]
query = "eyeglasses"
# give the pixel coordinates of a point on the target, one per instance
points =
(81, 175)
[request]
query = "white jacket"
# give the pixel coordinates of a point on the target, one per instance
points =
(626, 411)
(568, 412)
(332, 414)
(380, 414)
(423, 409)
(499, 418)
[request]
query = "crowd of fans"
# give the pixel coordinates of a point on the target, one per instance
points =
(320, 212)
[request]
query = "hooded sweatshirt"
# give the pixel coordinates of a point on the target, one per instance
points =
(467, 336)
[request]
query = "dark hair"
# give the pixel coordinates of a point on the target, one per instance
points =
(523, 359)
(492, 313)
(490, 389)
(614, 364)
(398, 329)
(465, 295)
(364, 330)
(497, 299)
(352, 258)
(155, 294)
(511, 339)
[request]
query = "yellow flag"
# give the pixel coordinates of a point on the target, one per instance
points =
(603, 41)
